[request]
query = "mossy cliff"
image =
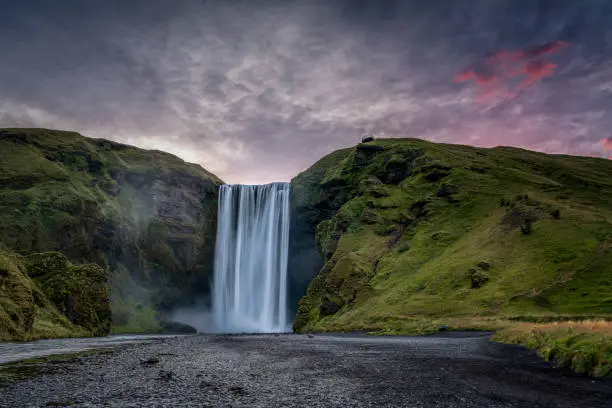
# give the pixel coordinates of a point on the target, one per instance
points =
(44, 295)
(410, 229)
(147, 218)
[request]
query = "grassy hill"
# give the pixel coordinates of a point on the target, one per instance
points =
(146, 217)
(415, 235)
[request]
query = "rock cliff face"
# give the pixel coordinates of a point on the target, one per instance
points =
(406, 228)
(146, 217)
(311, 203)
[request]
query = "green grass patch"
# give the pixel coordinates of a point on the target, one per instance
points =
(584, 347)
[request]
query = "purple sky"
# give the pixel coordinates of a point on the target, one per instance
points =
(257, 91)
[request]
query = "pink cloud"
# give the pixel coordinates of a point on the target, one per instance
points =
(493, 76)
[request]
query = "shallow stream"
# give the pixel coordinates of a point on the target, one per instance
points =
(17, 351)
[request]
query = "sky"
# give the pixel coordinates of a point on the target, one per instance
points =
(257, 91)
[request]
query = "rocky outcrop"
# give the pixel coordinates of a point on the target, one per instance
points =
(44, 295)
(79, 292)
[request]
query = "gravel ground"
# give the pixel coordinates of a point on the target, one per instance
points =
(453, 370)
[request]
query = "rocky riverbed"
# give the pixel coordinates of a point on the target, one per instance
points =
(452, 370)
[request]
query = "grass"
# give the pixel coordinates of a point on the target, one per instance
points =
(583, 346)
(132, 317)
(418, 235)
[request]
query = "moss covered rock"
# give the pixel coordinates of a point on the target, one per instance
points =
(74, 301)
(80, 292)
(17, 308)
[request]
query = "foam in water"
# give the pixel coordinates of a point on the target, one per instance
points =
(250, 278)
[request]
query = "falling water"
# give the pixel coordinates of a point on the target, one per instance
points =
(250, 282)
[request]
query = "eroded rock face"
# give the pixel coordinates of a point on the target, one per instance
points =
(175, 221)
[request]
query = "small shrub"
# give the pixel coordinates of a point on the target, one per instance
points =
(556, 213)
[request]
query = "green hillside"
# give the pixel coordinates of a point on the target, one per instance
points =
(411, 229)
(147, 218)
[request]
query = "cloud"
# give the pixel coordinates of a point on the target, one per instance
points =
(493, 75)
(538, 51)
(606, 142)
(256, 91)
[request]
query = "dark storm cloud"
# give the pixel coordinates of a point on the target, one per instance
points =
(256, 91)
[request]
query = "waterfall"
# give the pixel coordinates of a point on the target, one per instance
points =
(250, 277)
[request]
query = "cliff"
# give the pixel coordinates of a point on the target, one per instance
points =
(409, 229)
(147, 218)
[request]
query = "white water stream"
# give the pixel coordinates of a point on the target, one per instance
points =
(250, 278)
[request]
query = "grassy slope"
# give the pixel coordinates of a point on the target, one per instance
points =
(99, 201)
(413, 248)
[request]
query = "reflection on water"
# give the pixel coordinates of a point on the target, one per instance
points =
(10, 352)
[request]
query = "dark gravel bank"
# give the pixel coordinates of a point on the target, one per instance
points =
(454, 370)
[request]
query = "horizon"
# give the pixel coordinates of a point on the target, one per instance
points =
(256, 92)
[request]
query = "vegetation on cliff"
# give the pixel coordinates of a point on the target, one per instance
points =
(147, 218)
(44, 295)
(414, 231)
